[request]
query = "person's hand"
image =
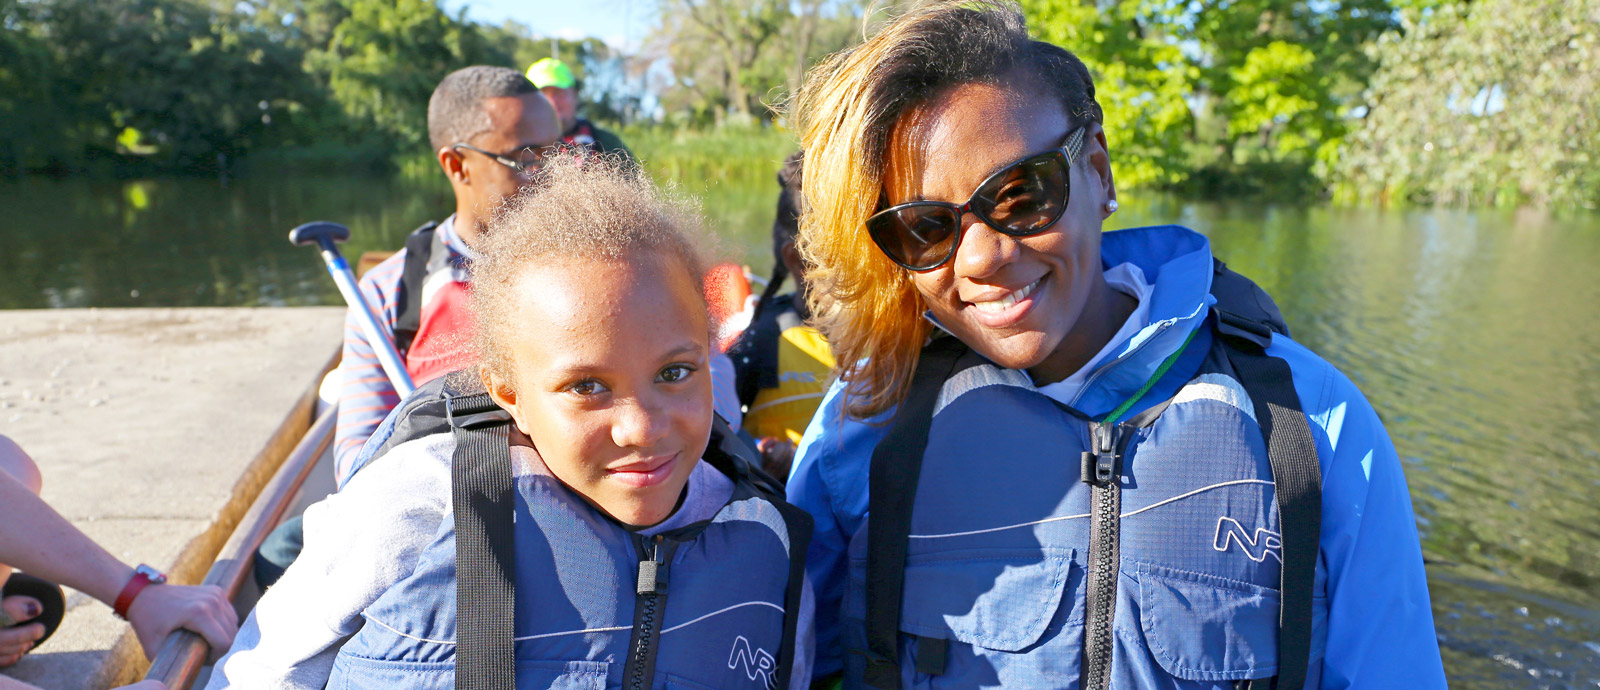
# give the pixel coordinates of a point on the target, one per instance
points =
(776, 456)
(202, 609)
(15, 642)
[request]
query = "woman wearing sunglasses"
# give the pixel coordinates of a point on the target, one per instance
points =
(1062, 436)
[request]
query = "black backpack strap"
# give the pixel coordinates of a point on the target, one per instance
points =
(1296, 472)
(483, 495)
(419, 248)
(892, 488)
(1251, 309)
(800, 526)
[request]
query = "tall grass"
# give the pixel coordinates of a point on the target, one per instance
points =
(691, 156)
(731, 171)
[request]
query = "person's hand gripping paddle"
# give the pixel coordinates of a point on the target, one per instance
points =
(325, 235)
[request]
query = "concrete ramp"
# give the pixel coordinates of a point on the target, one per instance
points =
(142, 422)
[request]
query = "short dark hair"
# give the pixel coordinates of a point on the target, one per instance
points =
(455, 113)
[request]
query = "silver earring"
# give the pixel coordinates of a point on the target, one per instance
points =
(1111, 207)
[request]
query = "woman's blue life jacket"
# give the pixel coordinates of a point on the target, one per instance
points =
(719, 609)
(998, 580)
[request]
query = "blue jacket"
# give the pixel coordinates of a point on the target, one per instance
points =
(1374, 625)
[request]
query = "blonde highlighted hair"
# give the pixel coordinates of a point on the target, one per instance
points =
(866, 305)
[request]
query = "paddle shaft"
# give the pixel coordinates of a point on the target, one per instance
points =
(393, 366)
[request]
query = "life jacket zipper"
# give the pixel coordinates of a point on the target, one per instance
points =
(655, 557)
(1102, 471)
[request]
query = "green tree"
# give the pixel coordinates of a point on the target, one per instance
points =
(1142, 81)
(40, 128)
(731, 59)
(180, 81)
(384, 59)
(1488, 103)
(1315, 48)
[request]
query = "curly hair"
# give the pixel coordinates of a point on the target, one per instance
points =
(581, 206)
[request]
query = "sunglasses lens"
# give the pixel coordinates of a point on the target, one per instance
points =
(1028, 197)
(917, 237)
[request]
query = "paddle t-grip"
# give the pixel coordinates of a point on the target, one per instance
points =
(326, 235)
(319, 232)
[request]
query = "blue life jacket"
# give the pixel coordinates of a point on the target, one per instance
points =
(996, 586)
(709, 605)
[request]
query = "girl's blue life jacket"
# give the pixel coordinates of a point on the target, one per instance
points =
(531, 586)
(1201, 543)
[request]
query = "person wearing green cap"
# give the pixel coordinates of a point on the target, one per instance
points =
(554, 78)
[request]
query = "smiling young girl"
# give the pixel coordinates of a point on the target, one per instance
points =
(594, 339)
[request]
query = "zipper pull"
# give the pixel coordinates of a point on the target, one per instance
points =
(652, 572)
(1102, 464)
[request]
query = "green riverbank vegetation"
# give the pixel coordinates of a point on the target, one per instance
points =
(1466, 102)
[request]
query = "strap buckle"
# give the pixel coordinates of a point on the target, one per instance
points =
(1242, 330)
(473, 411)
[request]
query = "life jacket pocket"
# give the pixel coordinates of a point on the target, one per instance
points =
(1002, 599)
(1203, 627)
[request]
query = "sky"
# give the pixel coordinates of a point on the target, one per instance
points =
(620, 23)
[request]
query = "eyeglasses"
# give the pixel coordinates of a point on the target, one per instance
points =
(1024, 198)
(524, 160)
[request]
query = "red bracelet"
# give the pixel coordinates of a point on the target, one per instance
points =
(143, 576)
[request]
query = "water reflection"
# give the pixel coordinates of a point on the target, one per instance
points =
(191, 242)
(1472, 332)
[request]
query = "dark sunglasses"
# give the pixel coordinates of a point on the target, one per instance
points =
(1024, 198)
(524, 161)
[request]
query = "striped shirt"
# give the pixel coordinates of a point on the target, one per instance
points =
(366, 396)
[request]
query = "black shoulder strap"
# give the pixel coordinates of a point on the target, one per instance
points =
(735, 455)
(483, 496)
(1246, 319)
(800, 525)
(419, 247)
(1242, 298)
(892, 487)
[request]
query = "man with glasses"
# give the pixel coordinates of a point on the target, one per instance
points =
(488, 128)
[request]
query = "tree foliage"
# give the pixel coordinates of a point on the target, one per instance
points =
(1142, 81)
(385, 57)
(1455, 101)
(1496, 102)
(731, 59)
(93, 76)
(1192, 86)
(191, 84)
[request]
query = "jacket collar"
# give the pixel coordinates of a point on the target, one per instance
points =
(1177, 262)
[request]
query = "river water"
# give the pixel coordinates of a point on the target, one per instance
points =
(1474, 334)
